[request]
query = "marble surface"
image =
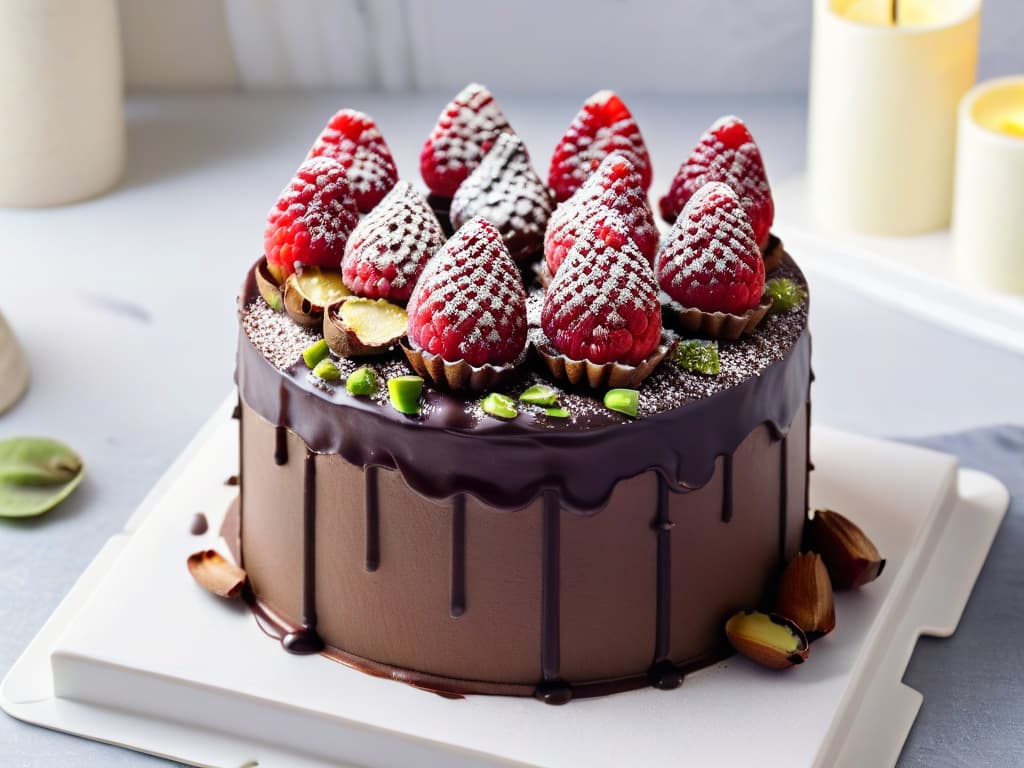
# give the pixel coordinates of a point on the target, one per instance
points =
(125, 306)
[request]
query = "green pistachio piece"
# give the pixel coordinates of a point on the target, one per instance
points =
(362, 382)
(540, 394)
(327, 371)
(557, 413)
(405, 392)
(36, 474)
(315, 352)
(502, 406)
(622, 400)
(697, 356)
(786, 294)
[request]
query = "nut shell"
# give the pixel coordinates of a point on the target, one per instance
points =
(805, 595)
(302, 308)
(269, 288)
(715, 325)
(603, 375)
(215, 574)
(850, 556)
(460, 375)
(344, 341)
(749, 639)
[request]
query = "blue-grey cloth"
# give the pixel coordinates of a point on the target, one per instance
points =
(973, 682)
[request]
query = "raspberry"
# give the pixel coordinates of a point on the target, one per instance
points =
(727, 153)
(311, 220)
(469, 304)
(615, 185)
(604, 125)
(354, 140)
(388, 250)
(464, 133)
(603, 304)
(506, 191)
(710, 259)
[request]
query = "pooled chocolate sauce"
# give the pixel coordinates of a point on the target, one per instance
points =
(198, 526)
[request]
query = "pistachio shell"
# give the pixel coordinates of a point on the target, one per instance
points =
(767, 638)
(850, 556)
(268, 286)
(215, 574)
(346, 326)
(805, 595)
(309, 291)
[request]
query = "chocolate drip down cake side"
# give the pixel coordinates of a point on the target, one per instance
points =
(511, 441)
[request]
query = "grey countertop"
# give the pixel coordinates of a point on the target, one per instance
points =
(126, 307)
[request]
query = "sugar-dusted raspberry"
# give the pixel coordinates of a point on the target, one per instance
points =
(727, 153)
(353, 139)
(469, 304)
(603, 304)
(615, 185)
(311, 220)
(388, 250)
(710, 259)
(603, 125)
(465, 131)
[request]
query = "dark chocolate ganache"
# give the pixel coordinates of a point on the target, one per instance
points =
(685, 419)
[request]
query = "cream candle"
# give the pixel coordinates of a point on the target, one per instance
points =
(988, 215)
(886, 78)
(61, 113)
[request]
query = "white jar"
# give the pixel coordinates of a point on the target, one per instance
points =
(61, 103)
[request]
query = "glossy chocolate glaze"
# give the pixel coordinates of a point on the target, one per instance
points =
(516, 461)
(573, 465)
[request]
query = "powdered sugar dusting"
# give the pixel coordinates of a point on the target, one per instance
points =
(389, 248)
(506, 190)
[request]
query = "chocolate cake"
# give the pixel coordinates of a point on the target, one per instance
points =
(530, 522)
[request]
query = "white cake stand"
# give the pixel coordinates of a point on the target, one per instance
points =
(138, 655)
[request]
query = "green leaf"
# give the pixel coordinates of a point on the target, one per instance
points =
(36, 474)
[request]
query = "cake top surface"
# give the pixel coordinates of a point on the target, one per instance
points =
(281, 341)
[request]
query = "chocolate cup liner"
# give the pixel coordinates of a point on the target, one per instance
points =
(772, 253)
(603, 375)
(460, 375)
(716, 325)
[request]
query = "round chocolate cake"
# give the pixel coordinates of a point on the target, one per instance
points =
(513, 517)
